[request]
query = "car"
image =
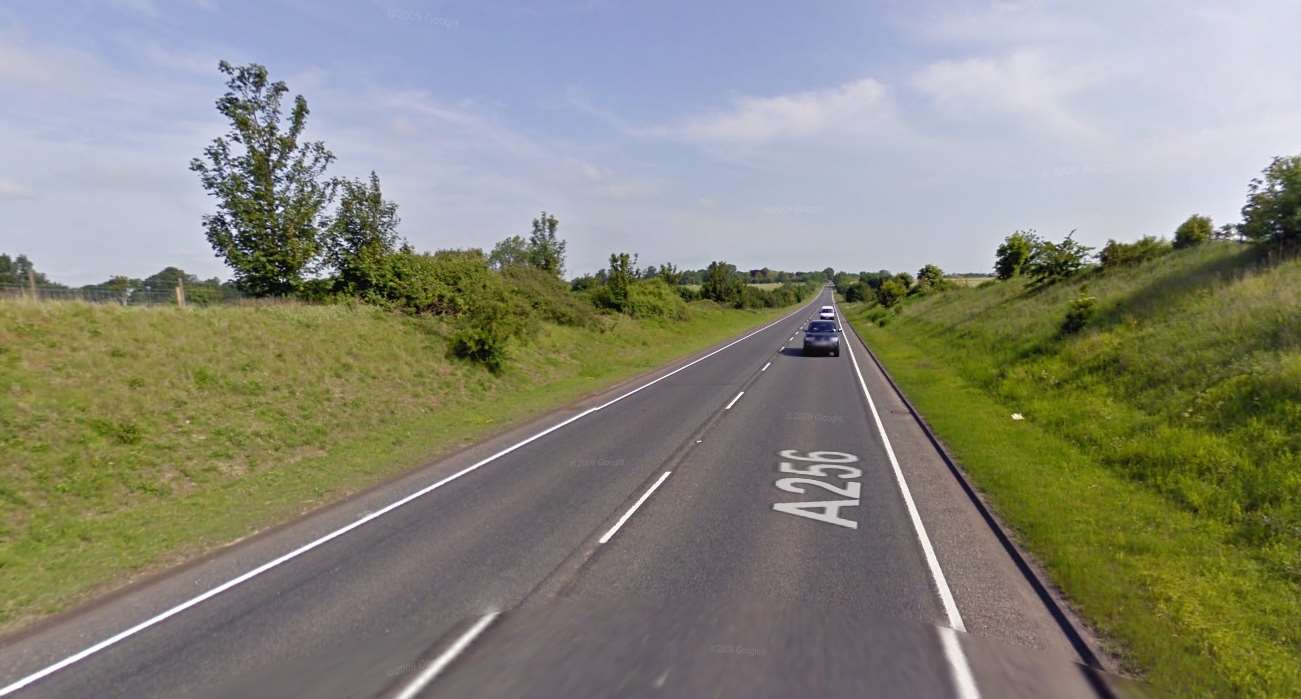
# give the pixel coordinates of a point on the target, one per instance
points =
(827, 313)
(822, 337)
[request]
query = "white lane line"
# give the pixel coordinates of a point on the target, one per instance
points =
(963, 680)
(445, 658)
(765, 366)
(245, 577)
(606, 537)
(734, 400)
(942, 585)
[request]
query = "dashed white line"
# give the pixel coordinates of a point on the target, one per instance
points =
(734, 400)
(765, 366)
(245, 577)
(963, 681)
(445, 658)
(606, 537)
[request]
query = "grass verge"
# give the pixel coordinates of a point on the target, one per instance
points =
(1133, 477)
(132, 439)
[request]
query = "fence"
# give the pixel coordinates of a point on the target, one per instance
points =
(178, 296)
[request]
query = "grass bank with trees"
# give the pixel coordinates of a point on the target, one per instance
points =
(135, 438)
(1155, 463)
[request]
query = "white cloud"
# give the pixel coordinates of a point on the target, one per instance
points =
(752, 121)
(1025, 84)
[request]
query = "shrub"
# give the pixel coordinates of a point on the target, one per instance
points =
(549, 297)
(1116, 254)
(1273, 210)
(1194, 231)
(930, 278)
(1078, 313)
(688, 293)
(1015, 251)
(653, 298)
(856, 292)
(1052, 262)
(891, 292)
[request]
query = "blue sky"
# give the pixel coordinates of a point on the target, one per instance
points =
(792, 135)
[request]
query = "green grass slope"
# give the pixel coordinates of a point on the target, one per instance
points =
(1157, 472)
(133, 438)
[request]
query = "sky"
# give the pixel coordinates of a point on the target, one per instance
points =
(793, 135)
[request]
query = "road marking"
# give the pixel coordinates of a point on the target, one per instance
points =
(633, 509)
(734, 400)
(445, 658)
(941, 585)
(765, 366)
(962, 678)
(245, 577)
(964, 682)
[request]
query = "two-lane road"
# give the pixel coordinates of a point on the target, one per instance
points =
(751, 522)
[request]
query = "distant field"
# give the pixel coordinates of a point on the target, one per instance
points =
(969, 281)
(133, 438)
(767, 287)
(1157, 471)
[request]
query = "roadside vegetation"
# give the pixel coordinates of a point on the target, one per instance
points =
(1156, 465)
(133, 438)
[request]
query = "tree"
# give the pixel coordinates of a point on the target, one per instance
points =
(905, 279)
(361, 235)
(623, 271)
(1194, 231)
(1012, 255)
(269, 186)
(930, 277)
(670, 274)
(721, 284)
(891, 292)
(512, 251)
(545, 250)
(1052, 262)
(1272, 213)
(14, 270)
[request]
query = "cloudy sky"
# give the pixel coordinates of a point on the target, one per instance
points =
(795, 135)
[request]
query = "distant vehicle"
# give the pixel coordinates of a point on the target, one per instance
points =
(822, 337)
(827, 313)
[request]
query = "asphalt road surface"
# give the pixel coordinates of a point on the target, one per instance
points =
(746, 522)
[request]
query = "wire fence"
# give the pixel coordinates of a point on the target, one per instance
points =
(179, 296)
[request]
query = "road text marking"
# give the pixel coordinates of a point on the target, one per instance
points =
(634, 507)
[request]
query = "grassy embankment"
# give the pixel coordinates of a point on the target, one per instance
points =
(1157, 472)
(134, 438)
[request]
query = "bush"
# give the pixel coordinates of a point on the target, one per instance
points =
(1273, 210)
(856, 292)
(1079, 312)
(549, 297)
(1053, 262)
(653, 298)
(1015, 251)
(891, 292)
(1195, 231)
(688, 293)
(1115, 254)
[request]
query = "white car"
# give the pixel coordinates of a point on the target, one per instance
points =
(827, 313)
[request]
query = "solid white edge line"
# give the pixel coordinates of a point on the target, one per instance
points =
(941, 585)
(608, 535)
(765, 366)
(734, 400)
(445, 658)
(963, 680)
(203, 597)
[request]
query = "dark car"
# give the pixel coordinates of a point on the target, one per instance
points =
(822, 337)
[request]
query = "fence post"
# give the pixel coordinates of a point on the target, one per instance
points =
(31, 282)
(180, 292)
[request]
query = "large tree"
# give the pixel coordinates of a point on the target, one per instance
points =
(546, 251)
(721, 284)
(361, 235)
(1015, 251)
(1273, 210)
(269, 185)
(509, 252)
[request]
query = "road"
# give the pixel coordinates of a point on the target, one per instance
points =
(659, 539)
